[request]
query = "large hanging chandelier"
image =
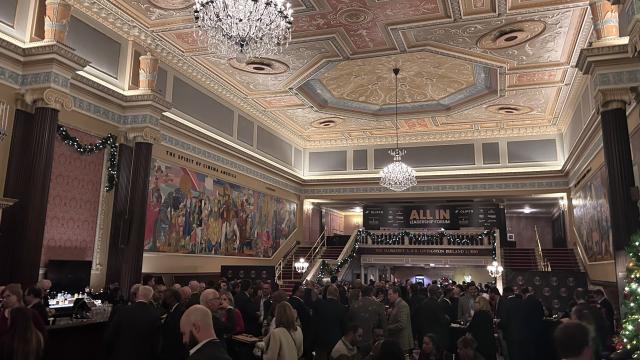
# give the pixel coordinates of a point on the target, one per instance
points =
(397, 176)
(244, 28)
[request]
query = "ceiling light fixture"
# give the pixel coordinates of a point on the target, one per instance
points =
(397, 176)
(244, 28)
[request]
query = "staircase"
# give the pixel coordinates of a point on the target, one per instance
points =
(562, 259)
(289, 275)
(332, 252)
(519, 259)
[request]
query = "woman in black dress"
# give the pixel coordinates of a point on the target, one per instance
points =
(481, 328)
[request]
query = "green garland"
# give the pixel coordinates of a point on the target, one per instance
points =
(327, 270)
(88, 149)
(631, 322)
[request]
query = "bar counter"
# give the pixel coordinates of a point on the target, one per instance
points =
(76, 339)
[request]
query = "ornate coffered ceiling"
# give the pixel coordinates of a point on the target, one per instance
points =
(469, 68)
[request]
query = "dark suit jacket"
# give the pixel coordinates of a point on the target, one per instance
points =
(249, 312)
(481, 328)
(212, 350)
(433, 320)
(194, 300)
(134, 333)
(368, 314)
(534, 328)
(303, 311)
(328, 317)
(448, 308)
(609, 314)
(172, 346)
(512, 322)
(41, 310)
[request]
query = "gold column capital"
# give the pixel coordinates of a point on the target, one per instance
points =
(144, 134)
(609, 99)
(51, 98)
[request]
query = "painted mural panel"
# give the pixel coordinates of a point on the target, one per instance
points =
(591, 217)
(193, 213)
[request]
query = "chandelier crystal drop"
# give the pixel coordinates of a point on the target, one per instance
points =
(244, 28)
(397, 176)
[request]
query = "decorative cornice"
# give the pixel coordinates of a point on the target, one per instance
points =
(589, 56)
(125, 98)
(105, 114)
(45, 48)
(184, 146)
(510, 186)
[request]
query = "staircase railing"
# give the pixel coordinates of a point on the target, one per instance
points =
(283, 260)
(345, 252)
(315, 252)
(543, 263)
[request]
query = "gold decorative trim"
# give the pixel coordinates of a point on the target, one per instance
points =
(51, 98)
(609, 99)
(144, 134)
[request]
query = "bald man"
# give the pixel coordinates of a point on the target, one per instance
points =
(199, 337)
(195, 293)
(134, 332)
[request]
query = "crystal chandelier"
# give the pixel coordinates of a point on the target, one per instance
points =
(244, 28)
(397, 176)
(495, 270)
(301, 265)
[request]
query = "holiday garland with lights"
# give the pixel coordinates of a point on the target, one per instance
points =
(362, 235)
(109, 141)
(631, 324)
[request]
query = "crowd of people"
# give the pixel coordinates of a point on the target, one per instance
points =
(378, 320)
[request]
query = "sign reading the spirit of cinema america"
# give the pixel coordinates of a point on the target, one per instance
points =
(425, 216)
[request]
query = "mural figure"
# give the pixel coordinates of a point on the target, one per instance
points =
(193, 213)
(591, 215)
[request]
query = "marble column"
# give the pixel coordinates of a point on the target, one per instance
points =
(119, 217)
(56, 22)
(148, 72)
(623, 210)
(28, 179)
(133, 246)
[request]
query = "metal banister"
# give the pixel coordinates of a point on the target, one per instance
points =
(544, 266)
(283, 260)
(315, 251)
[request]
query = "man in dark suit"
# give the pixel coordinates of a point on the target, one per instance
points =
(368, 314)
(583, 310)
(33, 300)
(534, 329)
(607, 310)
(194, 286)
(512, 324)
(304, 314)
(329, 320)
(447, 304)
(432, 320)
(172, 346)
(417, 298)
(197, 331)
(265, 303)
(134, 332)
(250, 312)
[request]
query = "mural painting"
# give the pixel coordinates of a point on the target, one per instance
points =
(591, 216)
(193, 213)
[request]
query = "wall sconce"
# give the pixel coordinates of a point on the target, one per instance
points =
(563, 204)
(4, 119)
(307, 206)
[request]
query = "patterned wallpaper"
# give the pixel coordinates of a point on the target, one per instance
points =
(74, 198)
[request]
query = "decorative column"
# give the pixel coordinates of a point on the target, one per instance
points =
(119, 218)
(605, 19)
(148, 72)
(133, 246)
(56, 22)
(29, 175)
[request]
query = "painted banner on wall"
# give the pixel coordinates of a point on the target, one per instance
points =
(591, 217)
(192, 213)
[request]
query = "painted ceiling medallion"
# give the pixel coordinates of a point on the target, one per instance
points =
(509, 109)
(354, 16)
(511, 34)
(327, 122)
(171, 4)
(260, 66)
